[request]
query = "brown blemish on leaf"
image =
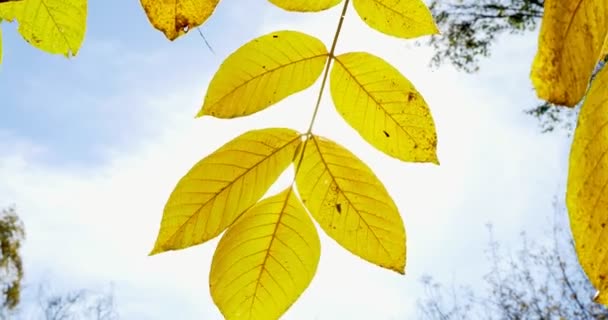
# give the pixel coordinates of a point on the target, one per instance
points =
(411, 96)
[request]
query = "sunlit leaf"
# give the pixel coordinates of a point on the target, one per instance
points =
(305, 5)
(265, 260)
(8, 10)
(403, 19)
(587, 195)
(384, 107)
(54, 26)
(176, 17)
(571, 38)
(263, 72)
(351, 204)
(223, 185)
(604, 51)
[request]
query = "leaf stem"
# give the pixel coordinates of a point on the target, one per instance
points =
(330, 57)
(329, 60)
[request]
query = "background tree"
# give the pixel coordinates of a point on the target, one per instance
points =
(76, 304)
(539, 282)
(52, 305)
(12, 233)
(469, 28)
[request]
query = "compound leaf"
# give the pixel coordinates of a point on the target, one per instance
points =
(305, 5)
(263, 72)
(569, 46)
(351, 204)
(384, 107)
(176, 17)
(265, 260)
(403, 19)
(587, 195)
(223, 185)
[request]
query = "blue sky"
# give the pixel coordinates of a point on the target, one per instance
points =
(91, 147)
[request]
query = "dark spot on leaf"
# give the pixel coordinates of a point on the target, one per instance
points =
(386, 134)
(603, 225)
(263, 67)
(339, 208)
(275, 36)
(410, 96)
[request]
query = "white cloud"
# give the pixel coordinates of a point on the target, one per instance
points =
(98, 224)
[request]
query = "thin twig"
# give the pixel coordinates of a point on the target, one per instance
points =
(204, 39)
(330, 57)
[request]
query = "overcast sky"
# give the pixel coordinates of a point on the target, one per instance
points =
(91, 147)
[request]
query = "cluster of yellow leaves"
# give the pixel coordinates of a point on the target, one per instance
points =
(573, 39)
(270, 250)
(404, 19)
(54, 26)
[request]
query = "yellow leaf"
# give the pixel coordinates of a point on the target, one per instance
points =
(54, 26)
(223, 185)
(265, 260)
(384, 107)
(604, 49)
(571, 38)
(403, 19)
(8, 10)
(587, 195)
(263, 72)
(176, 17)
(305, 5)
(351, 204)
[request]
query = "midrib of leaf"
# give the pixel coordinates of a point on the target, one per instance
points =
(272, 237)
(246, 82)
(198, 211)
(333, 178)
(330, 57)
(562, 44)
(48, 11)
(376, 101)
(393, 10)
(578, 6)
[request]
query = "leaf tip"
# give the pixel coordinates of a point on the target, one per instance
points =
(399, 268)
(158, 248)
(431, 157)
(434, 30)
(200, 114)
(435, 160)
(154, 251)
